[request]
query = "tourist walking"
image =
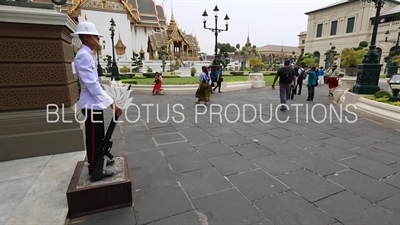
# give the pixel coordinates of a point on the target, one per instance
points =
(321, 75)
(157, 83)
(312, 82)
(333, 82)
(286, 76)
(93, 99)
(203, 91)
(302, 76)
(294, 88)
(219, 80)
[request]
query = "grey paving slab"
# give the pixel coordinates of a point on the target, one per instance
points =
(261, 126)
(369, 188)
(126, 129)
(340, 143)
(319, 165)
(318, 126)
(234, 139)
(138, 136)
(188, 162)
(176, 148)
(301, 141)
(162, 130)
(231, 164)
(214, 149)
(256, 184)
(187, 218)
(369, 167)
(280, 133)
(342, 133)
(289, 208)
(168, 138)
(392, 204)
(366, 141)
(227, 207)
(310, 185)
(183, 124)
(330, 152)
(369, 132)
(351, 209)
(388, 147)
(252, 150)
(134, 146)
(313, 134)
(264, 222)
(393, 180)
(287, 150)
(146, 158)
(200, 139)
(191, 131)
(159, 202)
(217, 131)
(276, 165)
(371, 153)
(267, 140)
(193, 182)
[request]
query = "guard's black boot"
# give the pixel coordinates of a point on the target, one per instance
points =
(110, 161)
(106, 173)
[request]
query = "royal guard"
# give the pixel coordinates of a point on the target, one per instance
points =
(93, 99)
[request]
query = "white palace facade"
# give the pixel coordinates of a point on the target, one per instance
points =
(346, 23)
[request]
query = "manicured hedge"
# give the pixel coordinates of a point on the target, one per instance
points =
(237, 73)
(129, 82)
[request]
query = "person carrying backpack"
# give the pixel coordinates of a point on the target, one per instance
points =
(302, 76)
(286, 76)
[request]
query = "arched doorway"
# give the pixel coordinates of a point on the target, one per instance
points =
(317, 56)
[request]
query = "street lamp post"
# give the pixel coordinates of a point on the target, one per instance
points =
(216, 62)
(392, 67)
(99, 69)
(369, 71)
(114, 67)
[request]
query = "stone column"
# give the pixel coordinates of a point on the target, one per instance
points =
(35, 67)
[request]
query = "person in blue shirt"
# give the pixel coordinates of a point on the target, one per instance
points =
(93, 99)
(321, 75)
(312, 82)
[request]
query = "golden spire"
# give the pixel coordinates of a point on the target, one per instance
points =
(86, 18)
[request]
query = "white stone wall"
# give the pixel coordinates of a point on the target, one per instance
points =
(122, 29)
(139, 40)
(362, 28)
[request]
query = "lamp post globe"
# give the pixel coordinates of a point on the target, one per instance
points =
(369, 71)
(394, 84)
(114, 67)
(216, 63)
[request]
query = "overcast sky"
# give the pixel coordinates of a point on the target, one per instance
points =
(269, 21)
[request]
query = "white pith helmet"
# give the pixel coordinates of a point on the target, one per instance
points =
(87, 28)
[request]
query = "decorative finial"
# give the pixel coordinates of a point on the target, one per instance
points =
(86, 18)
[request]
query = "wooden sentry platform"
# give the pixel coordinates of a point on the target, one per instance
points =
(86, 197)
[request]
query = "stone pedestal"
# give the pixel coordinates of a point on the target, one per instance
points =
(346, 84)
(35, 68)
(86, 197)
(257, 79)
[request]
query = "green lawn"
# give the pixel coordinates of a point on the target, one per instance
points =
(195, 80)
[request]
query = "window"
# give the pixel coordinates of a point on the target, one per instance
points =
(334, 27)
(350, 25)
(303, 41)
(319, 30)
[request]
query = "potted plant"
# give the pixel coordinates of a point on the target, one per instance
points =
(350, 58)
(256, 64)
(193, 71)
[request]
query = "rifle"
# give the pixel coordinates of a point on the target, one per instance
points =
(104, 150)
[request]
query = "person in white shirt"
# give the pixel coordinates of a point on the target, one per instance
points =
(93, 99)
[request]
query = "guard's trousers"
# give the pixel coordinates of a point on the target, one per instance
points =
(94, 132)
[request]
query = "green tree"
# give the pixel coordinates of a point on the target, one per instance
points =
(308, 60)
(245, 53)
(330, 56)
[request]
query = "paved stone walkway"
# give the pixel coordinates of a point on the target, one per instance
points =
(197, 172)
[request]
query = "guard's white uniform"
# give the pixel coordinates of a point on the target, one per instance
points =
(92, 97)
